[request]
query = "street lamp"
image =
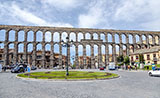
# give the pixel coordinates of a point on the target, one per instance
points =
(67, 44)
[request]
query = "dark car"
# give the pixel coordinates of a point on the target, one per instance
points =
(9, 67)
(33, 68)
(18, 69)
(101, 68)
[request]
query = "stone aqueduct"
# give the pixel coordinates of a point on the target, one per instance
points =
(133, 40)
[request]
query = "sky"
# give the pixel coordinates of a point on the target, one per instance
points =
(101, 14)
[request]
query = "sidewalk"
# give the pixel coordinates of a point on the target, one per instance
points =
(139, 70)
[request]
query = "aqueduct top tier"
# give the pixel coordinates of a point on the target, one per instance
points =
(82, 36)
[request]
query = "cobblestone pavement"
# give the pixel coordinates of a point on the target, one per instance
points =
(131, 84)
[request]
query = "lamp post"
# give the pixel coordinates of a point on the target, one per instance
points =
(67, 44)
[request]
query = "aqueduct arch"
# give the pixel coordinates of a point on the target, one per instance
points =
(52, 36)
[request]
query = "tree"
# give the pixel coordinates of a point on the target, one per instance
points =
(126, 60)
(120, 58)
(141, 58)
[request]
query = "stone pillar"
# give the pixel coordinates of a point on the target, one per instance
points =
(15, 57)
(99, 37)
(52, 54)
(76, 58)
(107, 50)
(76, 36)
(6, 48)
(147, 41)
(43, 51)
(34, 56)
(134, 42)
(84, 56)
(92, 57)
(84, 35)
(120, 46)
(114, 53)
(25, 47)
(60, 56)
(99, 56)
(113, 49)
(153, 40)
(107, 55)
(127, 45)
(140, 39)
(120, 49)
(60, 50)
(91, 36)
(127, 50)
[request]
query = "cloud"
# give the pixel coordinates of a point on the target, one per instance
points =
(108, 14)
(131, 9)
(91, 19)
(31, 18)
(96, 16)
(25, 17)
(145, 13)
(63, 4)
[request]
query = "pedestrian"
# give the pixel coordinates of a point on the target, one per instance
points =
(135, 67)
(129, 67)
(28, 68)
(147, 67)
(0, 67)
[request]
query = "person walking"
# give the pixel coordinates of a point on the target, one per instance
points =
(0, 67)
(136, 67)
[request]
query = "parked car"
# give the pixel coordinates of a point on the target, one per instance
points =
(101, 68)
(8, 67)
(112, 66)
(33, 68)
(18, 69)
(155, 72)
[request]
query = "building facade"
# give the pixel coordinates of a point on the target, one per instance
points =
(151, 55)
(124, 40)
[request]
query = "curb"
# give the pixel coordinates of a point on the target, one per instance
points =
(64, 80)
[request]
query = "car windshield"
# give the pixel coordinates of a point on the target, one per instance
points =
(16, 67)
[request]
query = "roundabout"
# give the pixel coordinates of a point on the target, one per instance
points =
(73, 75)
(129, 83)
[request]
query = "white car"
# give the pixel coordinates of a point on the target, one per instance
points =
(112, 66)
(155, 72)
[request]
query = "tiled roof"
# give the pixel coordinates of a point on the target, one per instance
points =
(150, 50)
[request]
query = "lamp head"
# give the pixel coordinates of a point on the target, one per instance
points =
(62, 41)
(71, 41)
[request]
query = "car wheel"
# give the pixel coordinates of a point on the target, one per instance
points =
(150, 74)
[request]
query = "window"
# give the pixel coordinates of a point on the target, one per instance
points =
(39, 56)
(154, 55)
(131, 58)
(155, 62)
(148, 57)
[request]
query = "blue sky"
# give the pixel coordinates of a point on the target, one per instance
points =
(108, 14)
(102, 14)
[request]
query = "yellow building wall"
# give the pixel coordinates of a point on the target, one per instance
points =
(151, 60)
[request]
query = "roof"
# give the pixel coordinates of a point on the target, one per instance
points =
(150, 50)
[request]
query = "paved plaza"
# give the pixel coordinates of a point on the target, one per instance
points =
(130, 84)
